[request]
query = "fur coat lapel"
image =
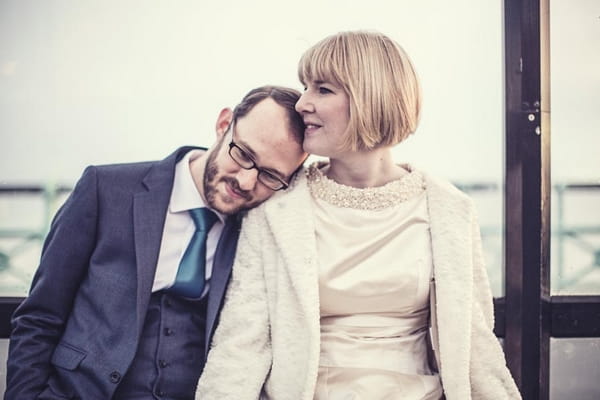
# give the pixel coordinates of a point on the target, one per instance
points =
(294, 235)
(450, 226)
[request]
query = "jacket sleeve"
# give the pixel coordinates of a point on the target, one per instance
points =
(490, 378)
(39, 321)
(240, 356)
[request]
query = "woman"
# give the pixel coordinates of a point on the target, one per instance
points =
(366, 279)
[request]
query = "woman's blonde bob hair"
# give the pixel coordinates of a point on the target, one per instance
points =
(379, 79)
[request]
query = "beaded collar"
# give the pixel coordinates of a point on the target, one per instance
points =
(373, 198)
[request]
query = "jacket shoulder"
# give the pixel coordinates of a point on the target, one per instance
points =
(440, 187)
(111, 171)
(128, 175)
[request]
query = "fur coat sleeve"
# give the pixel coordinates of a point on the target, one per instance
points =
(472, 361)
(490, 378)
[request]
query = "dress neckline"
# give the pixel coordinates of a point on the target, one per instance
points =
(373, 198)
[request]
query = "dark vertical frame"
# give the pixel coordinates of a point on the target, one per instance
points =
(527, 194)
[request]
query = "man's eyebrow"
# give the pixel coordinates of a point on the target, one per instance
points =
(246, 148)
(249, 150)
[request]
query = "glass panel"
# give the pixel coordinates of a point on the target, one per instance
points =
(25, 214)
(575, 87)
(574, 372)
(102, 82)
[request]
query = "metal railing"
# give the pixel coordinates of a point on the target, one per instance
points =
(582, 236)
(21, 240)
(579, 235)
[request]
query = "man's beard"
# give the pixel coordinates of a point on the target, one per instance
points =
(211, 180)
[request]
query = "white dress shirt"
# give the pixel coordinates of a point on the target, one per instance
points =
(179, 226)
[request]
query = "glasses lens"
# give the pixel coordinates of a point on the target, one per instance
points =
(240, 157)
(270, 180)
(246, 162)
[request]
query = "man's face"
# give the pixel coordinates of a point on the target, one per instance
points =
(263, 134)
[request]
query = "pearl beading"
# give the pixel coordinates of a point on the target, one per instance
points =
(373, 198)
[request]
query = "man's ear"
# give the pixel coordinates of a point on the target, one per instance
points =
(223, 121)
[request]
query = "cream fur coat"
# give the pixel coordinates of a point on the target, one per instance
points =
(269, 327)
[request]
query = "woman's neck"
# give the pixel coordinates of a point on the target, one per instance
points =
(364, 169)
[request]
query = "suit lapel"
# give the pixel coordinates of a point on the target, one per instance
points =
(450, 225)
(149, 213)
(223, 261)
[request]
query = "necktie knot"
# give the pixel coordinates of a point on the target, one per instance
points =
(203, 218)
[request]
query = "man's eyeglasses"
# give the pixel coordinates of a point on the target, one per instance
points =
(245, 161)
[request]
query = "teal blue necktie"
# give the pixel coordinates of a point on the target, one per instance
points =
(189, 281)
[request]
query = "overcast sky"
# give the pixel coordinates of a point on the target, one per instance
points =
(94, 82)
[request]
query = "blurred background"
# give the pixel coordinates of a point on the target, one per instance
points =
(95, 82)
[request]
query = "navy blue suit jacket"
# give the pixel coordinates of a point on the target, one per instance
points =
(88, 300)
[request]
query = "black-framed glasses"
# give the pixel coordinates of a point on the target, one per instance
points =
(244, 160)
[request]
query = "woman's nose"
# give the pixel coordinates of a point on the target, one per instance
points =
(304, 104)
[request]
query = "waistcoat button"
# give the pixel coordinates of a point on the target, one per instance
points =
(115, 377)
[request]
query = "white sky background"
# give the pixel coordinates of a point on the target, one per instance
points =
(94, 82)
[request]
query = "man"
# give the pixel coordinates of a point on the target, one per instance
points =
(114, 311)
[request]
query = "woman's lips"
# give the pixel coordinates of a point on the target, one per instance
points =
(311, 128)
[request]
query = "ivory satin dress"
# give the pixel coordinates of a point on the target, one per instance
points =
(374, 250)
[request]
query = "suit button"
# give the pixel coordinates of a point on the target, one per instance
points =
(115, 377)
(168, 331)
(163, 364)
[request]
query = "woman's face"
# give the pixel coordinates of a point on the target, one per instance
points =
(325, 108)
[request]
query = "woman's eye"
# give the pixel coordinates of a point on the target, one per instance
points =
(324, 90)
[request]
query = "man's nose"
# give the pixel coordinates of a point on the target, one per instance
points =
(247, 178)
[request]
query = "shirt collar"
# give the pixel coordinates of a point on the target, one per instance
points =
(185, 195)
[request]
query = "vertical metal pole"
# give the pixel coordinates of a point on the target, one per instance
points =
(527, 211)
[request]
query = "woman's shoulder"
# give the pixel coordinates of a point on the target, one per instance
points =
(443, 191)
(438, 183)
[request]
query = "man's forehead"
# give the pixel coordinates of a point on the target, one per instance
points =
(261, 144)
(267, 122)
(272, 146)
(265, 113)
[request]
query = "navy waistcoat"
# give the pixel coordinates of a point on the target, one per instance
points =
(170, 354)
